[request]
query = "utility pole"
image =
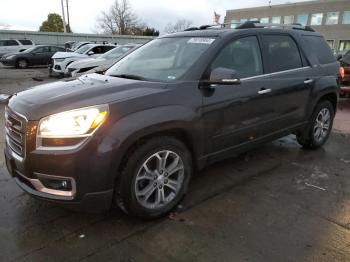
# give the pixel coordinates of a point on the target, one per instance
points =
(67, 3)
(63, 18)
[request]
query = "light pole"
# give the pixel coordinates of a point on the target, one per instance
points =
(67, 4)
(63, 18)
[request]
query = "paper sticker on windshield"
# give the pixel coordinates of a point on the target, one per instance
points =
(201, 40)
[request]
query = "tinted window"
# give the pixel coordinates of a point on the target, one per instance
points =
(11, 42)
(42, 49)
(321, 49)
(281, 53)
(55, 49)
(243, 56)
(2, 42)
(25, 42)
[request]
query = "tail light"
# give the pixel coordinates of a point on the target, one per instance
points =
(342, 72)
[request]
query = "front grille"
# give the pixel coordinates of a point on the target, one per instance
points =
(15, 127)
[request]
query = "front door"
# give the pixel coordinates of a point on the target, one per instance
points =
(235, 115)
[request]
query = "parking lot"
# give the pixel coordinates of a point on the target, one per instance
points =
(276, 203)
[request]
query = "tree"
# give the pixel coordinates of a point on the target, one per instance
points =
(179, 26)
(120, 19)
(54, 23)
(150, 32)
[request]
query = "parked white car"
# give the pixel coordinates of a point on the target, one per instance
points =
(62, 59)
(8, 46)
(103, 61)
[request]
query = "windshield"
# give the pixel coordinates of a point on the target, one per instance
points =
(163, 59)
(29, 49)
(83, 49)
(116, 52)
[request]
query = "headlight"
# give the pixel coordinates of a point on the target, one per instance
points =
(75, 123)
(9, 57)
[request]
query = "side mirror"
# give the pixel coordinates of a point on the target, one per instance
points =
(90, 53)
(223, 76)
(339, 57)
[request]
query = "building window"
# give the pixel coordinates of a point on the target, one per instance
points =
(289, 19)
(330, 43)
(302, 19)
(253, 19)
(346, 18)
(243, 20)
(332, 18)
(265, 20)
(316, 19)
(276, 20)
(234, 23)
(344, 45)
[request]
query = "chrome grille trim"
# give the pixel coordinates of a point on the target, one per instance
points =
(15, 125)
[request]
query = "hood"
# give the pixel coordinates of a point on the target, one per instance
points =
(10, 54)
(87, 90)
(88, 62)
(67, 54)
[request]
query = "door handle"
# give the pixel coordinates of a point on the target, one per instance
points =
(308, 81)
(264, 91)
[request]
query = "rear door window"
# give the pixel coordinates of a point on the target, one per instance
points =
(321, 49)
(11, 42)
(242, 55)
(281, 53)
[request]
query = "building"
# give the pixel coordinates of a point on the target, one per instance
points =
(329, 17)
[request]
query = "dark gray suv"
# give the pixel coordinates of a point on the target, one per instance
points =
(133, 137)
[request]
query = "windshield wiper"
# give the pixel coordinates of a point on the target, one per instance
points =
(130, 76)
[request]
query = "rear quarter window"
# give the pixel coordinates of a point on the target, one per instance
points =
(320, 48)
(25, 42)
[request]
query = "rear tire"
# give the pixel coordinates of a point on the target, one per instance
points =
(319, 128)
(154, 178)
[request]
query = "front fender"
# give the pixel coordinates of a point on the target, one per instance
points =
(126, 131)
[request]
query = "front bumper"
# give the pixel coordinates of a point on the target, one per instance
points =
(8, 62)
(85, 171)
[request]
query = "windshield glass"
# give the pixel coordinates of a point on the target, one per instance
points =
(83, 49)
(163, 59)
(116, 52)
(29, 49)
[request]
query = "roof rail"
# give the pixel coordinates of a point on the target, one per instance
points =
(257, 24)
(253, 24)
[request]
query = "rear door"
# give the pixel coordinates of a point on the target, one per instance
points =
(291, 79)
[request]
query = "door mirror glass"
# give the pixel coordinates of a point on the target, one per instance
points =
(90, 53)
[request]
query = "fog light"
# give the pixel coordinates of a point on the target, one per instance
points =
(56, 184)
(64, 184)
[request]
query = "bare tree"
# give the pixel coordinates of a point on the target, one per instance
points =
(179, 26)
(120, 19)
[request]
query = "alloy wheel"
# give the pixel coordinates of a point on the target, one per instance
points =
(322, 125)
(159, 179)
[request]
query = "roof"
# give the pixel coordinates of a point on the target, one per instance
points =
(215, 31)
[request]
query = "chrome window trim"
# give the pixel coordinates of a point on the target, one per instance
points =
(277, 73)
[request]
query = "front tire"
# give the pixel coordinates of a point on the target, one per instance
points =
(22, 64)
(319, 128)
(154, 178)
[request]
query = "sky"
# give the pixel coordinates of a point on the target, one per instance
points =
(28, 15)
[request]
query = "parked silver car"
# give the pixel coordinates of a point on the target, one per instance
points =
(101, 63)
